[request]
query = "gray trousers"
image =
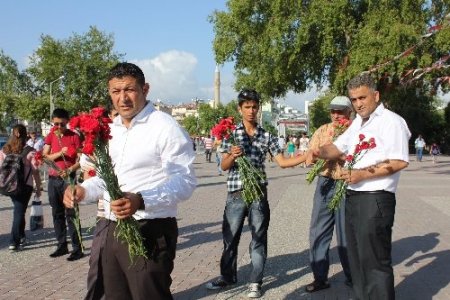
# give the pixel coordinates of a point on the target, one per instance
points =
(321, 231)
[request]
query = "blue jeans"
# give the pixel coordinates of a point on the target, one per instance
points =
(20, 204)
(258, 214)
(419, 153)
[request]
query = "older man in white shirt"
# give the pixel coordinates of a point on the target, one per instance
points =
(370, 204)
(155, 171)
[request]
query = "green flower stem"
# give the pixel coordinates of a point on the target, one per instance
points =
(251, 180)
(340, 189)
(312, 174)
(127, 230)
(76, 219)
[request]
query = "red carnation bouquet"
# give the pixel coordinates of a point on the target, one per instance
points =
(341, 186)
(94, 126)
(338, 129)
(250, 176)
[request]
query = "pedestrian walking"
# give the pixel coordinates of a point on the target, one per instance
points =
(208, 147)
(16, 147)
(419, 144)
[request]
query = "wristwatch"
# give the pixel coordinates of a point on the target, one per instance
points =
(142, 206)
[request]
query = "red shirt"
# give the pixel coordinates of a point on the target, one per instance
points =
(70, 140)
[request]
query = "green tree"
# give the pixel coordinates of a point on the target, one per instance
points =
(283, 45)
(286, 45)
(12, 84)
(190, 124)
(319, 112)
(83, 60)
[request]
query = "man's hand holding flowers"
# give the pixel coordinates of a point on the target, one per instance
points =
(127, 205)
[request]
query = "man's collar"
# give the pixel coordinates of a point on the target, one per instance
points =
(141, 117)
(377, 112)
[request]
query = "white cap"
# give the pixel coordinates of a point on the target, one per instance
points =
(340, 103)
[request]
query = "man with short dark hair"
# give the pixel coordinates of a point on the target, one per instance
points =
(61, 146)
(370, 198)
(155, 170)
(253, 142)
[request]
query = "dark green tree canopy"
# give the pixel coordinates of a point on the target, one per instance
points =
(283, 45)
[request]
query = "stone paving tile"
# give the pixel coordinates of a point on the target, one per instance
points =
(421, 242)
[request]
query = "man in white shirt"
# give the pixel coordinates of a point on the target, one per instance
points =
(370, 204)
(419, 144)
(155, 172)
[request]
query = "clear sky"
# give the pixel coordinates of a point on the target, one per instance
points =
(171, 40)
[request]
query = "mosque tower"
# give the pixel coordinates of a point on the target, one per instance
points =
(216, 87)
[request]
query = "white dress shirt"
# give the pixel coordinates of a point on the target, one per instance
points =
(391, 135)
(154, 156)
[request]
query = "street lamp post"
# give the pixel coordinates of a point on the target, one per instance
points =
(51, 96)
(196, 101)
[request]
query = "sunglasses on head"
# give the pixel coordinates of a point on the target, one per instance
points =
(248, 95)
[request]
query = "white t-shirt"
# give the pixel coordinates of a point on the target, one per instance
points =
(391, 135)
(304, 143)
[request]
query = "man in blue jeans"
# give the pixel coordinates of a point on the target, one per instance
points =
(253, 142)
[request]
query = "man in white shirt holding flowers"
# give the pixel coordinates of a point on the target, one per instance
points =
(155, 173)
(370, 204)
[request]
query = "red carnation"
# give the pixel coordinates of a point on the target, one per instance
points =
(88, 148)
(349, 158)
(98, 112)
(91, 173)
(362, 137)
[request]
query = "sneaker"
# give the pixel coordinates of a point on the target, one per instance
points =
(218, 284)
(254, 290)
(23, 242)
(12, 247)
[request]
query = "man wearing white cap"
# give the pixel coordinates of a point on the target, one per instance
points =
(322, 218)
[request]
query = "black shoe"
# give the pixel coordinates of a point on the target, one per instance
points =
(317, 286)
(60, 252)
(218, 284)
(76, 255)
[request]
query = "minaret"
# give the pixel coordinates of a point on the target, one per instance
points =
(216, 87)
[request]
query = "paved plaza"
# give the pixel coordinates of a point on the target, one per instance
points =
(421, 246)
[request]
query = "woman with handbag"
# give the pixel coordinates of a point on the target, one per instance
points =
(17, 145)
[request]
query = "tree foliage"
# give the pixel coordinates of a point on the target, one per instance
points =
(208, 117)
(83, 60)
(283, 45)
(286, 45)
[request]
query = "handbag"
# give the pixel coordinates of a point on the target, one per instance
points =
(36, 214)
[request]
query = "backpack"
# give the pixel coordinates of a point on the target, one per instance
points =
(12, 173)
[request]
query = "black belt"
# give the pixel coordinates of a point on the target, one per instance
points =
(354, 193)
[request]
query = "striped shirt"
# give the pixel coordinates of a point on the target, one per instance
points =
(208, 143)
(254, 148)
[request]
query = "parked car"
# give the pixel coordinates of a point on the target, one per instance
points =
(3, 140)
